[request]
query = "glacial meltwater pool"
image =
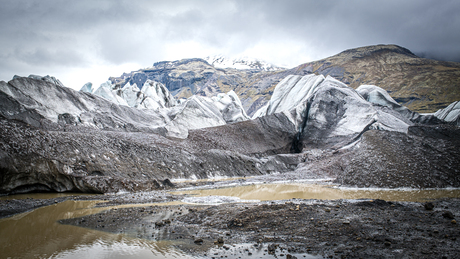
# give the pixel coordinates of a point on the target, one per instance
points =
(37, 234)
(284, 191)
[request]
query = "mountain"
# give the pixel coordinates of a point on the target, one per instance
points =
(422, 85)
(241, 63)
(56, 139)
(187, 77)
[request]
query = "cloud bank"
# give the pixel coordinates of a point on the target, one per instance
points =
(81, 41)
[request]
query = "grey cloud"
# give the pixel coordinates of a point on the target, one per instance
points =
(75, 33)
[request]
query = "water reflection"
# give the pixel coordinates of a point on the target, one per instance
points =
(37, 234)
(264, 192)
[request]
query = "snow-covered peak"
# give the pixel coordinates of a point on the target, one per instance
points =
(240, 63)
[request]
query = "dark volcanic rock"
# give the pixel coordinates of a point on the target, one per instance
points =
(427, 157)
(96, 161)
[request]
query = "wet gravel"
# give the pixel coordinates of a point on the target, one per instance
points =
(295, 228)
(298, 228)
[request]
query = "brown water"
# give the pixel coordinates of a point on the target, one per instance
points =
(37, 234)
(220, 179)
(264, 192)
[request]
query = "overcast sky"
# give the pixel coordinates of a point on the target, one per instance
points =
(87, 41)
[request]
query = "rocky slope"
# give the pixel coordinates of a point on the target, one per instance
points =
(422, 85)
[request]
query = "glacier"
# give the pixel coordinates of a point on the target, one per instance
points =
(150, 109)
(122, 138)
(450, 114)
(325, 110)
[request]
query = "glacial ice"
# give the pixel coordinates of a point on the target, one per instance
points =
(450, 114)
(323, 108)
(87, 88)
(156, 96)
(152, 108)
(106, 92)
(194, 113)
(379, 96)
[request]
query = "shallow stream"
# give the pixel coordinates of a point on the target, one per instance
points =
(36, 234)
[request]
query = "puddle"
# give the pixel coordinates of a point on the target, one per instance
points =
(213, 179)
(37, 234)
(265, 192)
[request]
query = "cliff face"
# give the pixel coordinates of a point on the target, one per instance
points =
(422, 85)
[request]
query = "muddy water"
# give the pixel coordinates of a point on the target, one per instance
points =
(220, 179)
(37, 234)
(264, 192)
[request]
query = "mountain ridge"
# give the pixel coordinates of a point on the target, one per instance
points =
(423, 85)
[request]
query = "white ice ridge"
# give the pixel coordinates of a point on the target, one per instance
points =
(450, 114)
(328, 108)
(195, 113)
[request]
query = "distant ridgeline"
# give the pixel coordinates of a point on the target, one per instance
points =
(422, 85)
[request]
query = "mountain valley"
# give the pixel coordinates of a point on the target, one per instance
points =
(371, 118)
